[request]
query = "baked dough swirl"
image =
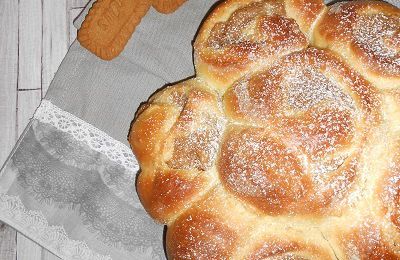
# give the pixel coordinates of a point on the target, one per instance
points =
(367, 35)
(286, 144)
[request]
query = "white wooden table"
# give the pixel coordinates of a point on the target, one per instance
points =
(34, 38)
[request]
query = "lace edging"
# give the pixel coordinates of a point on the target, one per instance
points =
(34, 225)
(96, 139)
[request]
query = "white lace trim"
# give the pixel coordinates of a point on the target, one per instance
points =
(85, 132)
(34, 225)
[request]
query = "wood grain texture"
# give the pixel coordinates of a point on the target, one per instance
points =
(77, 3)
(8, 242)
(55, 39)
(34, 38)
(30, 44)
(74, 7)
(46, 255)
(27, 249)
(8, 75)
(73, 13)
(28, 101)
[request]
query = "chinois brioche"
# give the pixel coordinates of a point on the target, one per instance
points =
(286, 144)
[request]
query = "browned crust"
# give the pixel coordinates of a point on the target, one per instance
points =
(208, 230)
(271, 247)
(346, 27)
(305, 12)
(366, 241)
(147, 131)
(279, 138)
(176, 158)
(335, 29)
(264, 87)
(200, 235)
(166, 193)
(388, 192)
(221, 59)
(245, 170)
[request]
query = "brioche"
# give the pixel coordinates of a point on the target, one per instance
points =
(286, 143)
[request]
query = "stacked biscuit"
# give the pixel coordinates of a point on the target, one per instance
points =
(110, 23)
(286, 144)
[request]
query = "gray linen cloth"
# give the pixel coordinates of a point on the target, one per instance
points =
(159, 52)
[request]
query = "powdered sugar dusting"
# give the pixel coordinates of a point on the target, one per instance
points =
(366, 241)
(285, 249)
(258, 32)
(324, 166)
(259, 97)
(261, 169)
(196, 134)
(241, 25)
(255, 30)
(337, 8)
(290, 86)
(291, 136)
(306, 87)
(312, 113)
(391, 193)
(378, 36)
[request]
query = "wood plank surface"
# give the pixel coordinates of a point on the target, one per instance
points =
(75, 7)
(8, 75)
(27, 249)
(8, 104)
(28, 101)
(34, 37)
(55, 39)
(29, 44)
(46, 255)
(8, 242)
(73, 12)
